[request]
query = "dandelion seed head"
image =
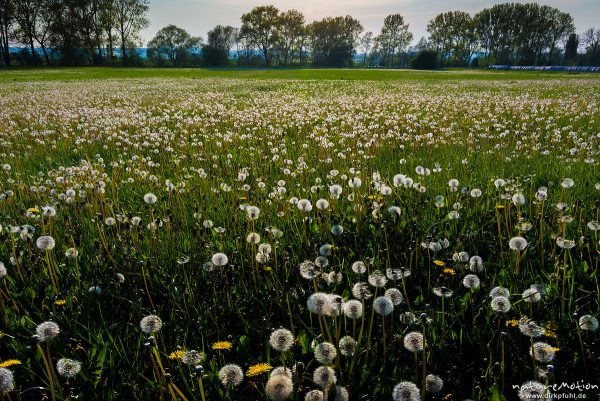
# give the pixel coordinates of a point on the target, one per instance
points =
(279, 387)
(281, 370)
(588, 323)
(192, 357)
(7, 381)
(341, 394)
(471, 281)
(542, 352)
(309, 270)
(47, 331)
(531, 295)
(359, 267)
(318, 303)
(352, 309)
(361, 291)
(517, 243)
(150, 324)
(433, 384)
(337, 230)
(325, 353)
(231, 375)
(253, 238)
(150, 198)
(413, 341)
(347, 346)
(324, 376)
(68, 368)
(499, 292)
(406, 391)
(219, 259)
(394, 295)
(443, 292)
(45, 243)
(530, 328)
(281, 340)
(500, 304)
(377, 279)
(383, 305)
(476, 264)
(314, 395)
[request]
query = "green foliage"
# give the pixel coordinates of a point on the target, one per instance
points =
(173, 46)
(425, 60)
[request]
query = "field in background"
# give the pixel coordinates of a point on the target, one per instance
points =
(418, 234)
(84, 73)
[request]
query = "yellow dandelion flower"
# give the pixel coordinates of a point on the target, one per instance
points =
(258, 369)
(449, 271)
(267, 268)
(2, 334)
(550, 333)
(33, 210)
(499, 206)
(9, 362)
(222, 345)
(512, 323)
(439, 263)
(176, 355)
(555, 349)
(60, 302)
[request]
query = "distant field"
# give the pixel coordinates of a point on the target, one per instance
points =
(307, 234)
(68, 74)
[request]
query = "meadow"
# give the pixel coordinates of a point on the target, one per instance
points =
(298, 234)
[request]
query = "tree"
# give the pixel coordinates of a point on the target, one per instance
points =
(333, 40)
(393, 39)
(426, 59)
(129, 18)
(7, 10)
(219, 43)
(523, 33)
(571, 49)
(453, 36)
(260, 27)
(422, 44)
(174, 45)
(366, 41)
(290, 31)
(591, 40)
(27, 14)
(561, 26)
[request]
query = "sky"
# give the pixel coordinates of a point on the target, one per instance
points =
(199, 16)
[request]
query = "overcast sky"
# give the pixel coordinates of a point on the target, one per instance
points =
(199, 16)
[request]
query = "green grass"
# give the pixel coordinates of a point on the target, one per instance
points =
(84, 73)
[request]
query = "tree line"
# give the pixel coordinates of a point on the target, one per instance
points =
(107, 32)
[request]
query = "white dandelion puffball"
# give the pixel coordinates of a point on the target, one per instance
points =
(150, 198)
(150, 324)
(45, 243)
(219, 259)
(281, 340)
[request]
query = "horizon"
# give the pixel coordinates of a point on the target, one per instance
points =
(191, 15)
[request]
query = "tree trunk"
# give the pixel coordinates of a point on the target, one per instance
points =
(110, 47)
(123, 56)
(33, 54)
(46, 57)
